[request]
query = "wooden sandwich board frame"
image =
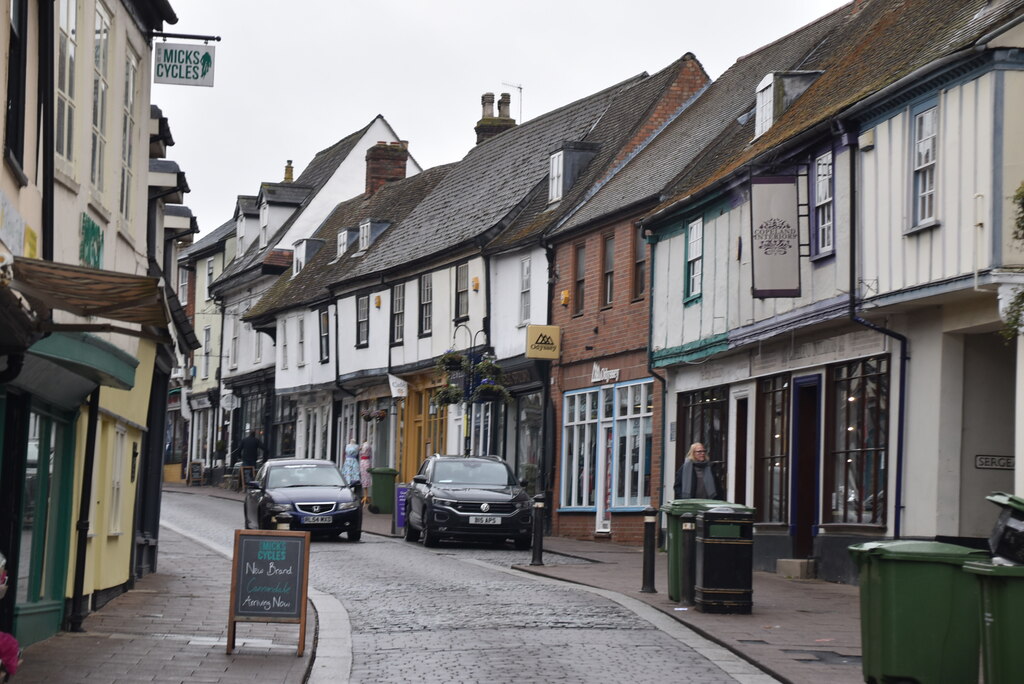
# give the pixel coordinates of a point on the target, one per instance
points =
(243, 572)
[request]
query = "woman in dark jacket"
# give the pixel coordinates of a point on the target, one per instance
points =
(695, 479)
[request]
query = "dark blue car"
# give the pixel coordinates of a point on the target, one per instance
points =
(304, 495)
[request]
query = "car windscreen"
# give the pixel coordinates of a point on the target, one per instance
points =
(484, 473)
(305, 475)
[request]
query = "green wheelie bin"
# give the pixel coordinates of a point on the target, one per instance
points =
(382, 490)
(918, 612)
(681, 519)
(1002, 620)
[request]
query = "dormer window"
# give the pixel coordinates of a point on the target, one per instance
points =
(263, 236)
(240, 232)
(556, 167)
(764, 112)
(297, 261)
(364, 236)
(342, 244)
(264, 214)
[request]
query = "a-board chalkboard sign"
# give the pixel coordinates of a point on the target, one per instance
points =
(269, 580)
(246, 474)
(195, 473)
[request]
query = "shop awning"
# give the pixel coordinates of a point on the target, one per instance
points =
(92, 292)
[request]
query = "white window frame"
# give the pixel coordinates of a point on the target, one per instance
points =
(925, 164)
(633, 425)
(207, 350)
(824, 212)
(301, 340)
(398, 313)
(764, 112)
(209, 277)
(284, 343)
(297, 262)
(364, 236)
(524, 291)
(556, 175)
(64, 127)
(342, 243)
(117, 461)
(264, 214)
(233, 347)
(362, 320)
(263, 237)
(694, 257)
(131, 85)
(100, 89)
(324, 316)
(183, 285)
(240, 233)
(426, 303)
(580, 427)
(461, 292)
(257, 344)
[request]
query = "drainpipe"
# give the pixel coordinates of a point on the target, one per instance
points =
(650, 359)
(78, 612)
(545, 476)
(854, 317)
(48, 90)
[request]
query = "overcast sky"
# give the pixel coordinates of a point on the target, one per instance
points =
(294, 77)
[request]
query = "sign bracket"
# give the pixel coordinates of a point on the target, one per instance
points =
(184, 36)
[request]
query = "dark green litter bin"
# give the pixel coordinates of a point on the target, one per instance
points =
(681, 518)
(918, 611)
(1002, 620)
(724, 559)
(382, 490)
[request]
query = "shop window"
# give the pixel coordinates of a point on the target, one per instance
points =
(856, 465)
(771, 477)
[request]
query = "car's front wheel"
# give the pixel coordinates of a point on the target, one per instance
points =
(411, 533)
(523, 542)
(430, 538)
(354, 535)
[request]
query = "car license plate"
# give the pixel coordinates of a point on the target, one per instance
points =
(484, 520)
(318, 519)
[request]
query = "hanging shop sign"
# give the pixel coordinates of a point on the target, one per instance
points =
(543, 341)
(184, 64)
(775, 237)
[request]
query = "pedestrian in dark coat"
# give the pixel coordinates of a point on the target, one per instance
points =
(696, 479)
(249, 448)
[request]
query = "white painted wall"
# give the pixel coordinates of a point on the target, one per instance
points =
(508, 333)
(348, 181)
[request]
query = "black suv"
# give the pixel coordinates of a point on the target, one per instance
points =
(467, 497)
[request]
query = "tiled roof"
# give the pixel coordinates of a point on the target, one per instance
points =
(392, 203)
(284, 193)
(879, 42)
(225, 230)
(682, 140)
(487, 186)
(618, 125)
(314, 176)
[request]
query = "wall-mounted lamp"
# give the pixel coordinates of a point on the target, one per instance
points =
(565, 298)
(376, 301)
(476, 284)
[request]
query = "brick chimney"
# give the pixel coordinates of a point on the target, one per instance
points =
(384, 163)
(489, 125)
(288, 172)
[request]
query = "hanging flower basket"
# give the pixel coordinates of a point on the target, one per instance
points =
(489, 370)
(488, 390)
(370, 415)
(452, 361)
(449, 394)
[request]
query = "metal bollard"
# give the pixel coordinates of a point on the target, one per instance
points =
(538, 530)
(650, 520)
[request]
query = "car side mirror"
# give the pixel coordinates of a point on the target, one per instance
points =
(420, 479)
(253, 484)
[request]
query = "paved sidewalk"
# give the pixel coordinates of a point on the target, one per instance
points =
(173, 626)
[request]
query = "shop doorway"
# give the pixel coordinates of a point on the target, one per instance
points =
(806, 442)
